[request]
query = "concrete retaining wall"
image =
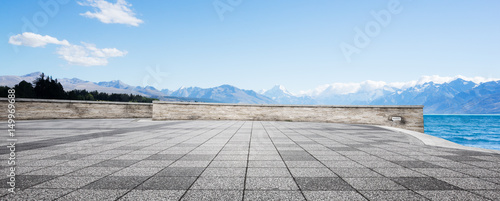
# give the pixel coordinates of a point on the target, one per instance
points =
(70, 109)
(411, 116)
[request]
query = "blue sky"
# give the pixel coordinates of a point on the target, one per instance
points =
(256, 45)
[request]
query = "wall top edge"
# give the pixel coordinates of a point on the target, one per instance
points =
(306, 106)
(73, 101)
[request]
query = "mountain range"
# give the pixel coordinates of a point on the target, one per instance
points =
(458, 95)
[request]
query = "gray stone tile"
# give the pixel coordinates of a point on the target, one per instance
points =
(322, 184)
(333, 195)
(67, 157)
(342, 164)
(294, 164)
(172, 157)
(67, 182)
(93, 194)
(450, 195)
(439, 172)
(312, 172)
(181, 172)
(95, 171)
(36, 194)
(213, 195)
(135, 171)
(115, 163)
(373, 184)
(392, 195)
(197, 157)
(491, 194)
(276, 164)
(219, 183)
(268, 183)
(472, 183)
(355, 172)
(224, 172)
(398, 172)
(27, 181)
(190, 164)
(416, 164)
(153, 195)
(273, 195)
(268, 172)
(227, 164)
(167, 183)
(232, 155)
(115, 182)
(424, 183)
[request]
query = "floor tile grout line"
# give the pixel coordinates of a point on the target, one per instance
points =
(126, 167)
(282, 160)
(248, 158)
(184, 194)
(370, 168)
(318, 160)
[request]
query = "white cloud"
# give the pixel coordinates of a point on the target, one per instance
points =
(35, 40)
(369, 85)
(106, 12)
(88, 54)
(84, 55)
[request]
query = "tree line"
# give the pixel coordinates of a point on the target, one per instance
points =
(45, 87)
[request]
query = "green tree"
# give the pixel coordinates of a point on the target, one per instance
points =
(4, 91)
(24, 90)
(49, 88)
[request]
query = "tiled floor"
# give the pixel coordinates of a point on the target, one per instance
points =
(233, 160)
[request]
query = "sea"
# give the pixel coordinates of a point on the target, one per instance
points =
(481, 131)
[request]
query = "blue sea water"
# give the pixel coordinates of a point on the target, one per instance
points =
(470, 130)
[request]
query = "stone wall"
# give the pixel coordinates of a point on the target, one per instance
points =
(70, 109)
(411, 117)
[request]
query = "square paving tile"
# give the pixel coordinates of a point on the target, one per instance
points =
(228, 195)
(450, 195)
(273, 195)
(322, 184)
(268, 172)
(472, 183)
(424, 183)
(373, 184)
(153, 195)
(26, 181)
(333, 195)
(116, 163)
(116, 182)
(167, 183)
(219, 183)
(274, 183)
(224, 172)
(93, 194)
(392, 195)
(67, 182)
(312, 172)
(181, 172)
(36, 194)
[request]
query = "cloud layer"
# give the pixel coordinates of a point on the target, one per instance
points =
(35, 40)
(106, 12)
(84, 55)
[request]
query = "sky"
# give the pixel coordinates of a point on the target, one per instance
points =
(251, 44)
